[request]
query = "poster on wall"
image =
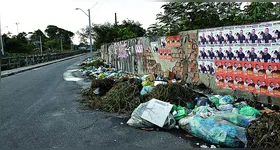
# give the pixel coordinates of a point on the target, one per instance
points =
(139, 46)
(164, 54)
(154, 46)
(173, 41)
(248, 54)
(255, 77)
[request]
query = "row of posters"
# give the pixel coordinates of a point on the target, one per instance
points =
(166, 43)
(249, 69)
(257, 33)
(257, 77)
(242, 52)
(262, 86)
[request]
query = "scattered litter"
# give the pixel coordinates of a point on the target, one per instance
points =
(213, 146)
(204, 146)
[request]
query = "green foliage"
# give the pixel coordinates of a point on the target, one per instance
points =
(30, 42)
(107, 33)
(178, 16)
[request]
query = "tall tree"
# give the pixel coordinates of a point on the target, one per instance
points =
(107, 33)
(179, 16)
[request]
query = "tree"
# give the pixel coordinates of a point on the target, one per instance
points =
(179, 16)
(60, 35)
(107, 33)
(17, 44)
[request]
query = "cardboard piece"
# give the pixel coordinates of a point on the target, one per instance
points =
(156, 112)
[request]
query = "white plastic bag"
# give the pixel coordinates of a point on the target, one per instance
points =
(136, 120)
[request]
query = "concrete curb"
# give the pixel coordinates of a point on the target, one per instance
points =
(23, 69)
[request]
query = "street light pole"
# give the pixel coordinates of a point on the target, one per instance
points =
(17, 27)
(90, 32)
(89, 20)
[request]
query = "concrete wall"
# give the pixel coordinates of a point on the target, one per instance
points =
(183, 63)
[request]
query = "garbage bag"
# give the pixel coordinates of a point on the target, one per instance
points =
(180, 113)
(113, 69)
(215, 99)
(136, 120)
(203, 111)
(237, 119)
(190, 105)
(112, 75)
(249, 111)
(235, 111)
(215, 130)
(227, 99)
(86, 73)
(240, 105)
(144, 77)
(137, 117)
(170, 122)
(227, 107)
(202, 101)
(97, 91)
(146, 89)
(101, 76)
(147, 83)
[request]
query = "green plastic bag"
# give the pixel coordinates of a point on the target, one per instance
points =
(240, 105)
(249, 111)
(190, 105)
(181, 113)
(227, 99)
(215, 99)
(101, 76)
(147, 83)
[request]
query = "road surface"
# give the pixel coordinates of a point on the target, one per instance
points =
(39, 109)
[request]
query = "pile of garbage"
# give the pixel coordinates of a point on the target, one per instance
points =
(164, 102)
(219, 120)
(97, 69)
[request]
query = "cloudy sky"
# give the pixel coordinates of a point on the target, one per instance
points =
(38, 14)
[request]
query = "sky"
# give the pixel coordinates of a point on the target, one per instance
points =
(38, 14)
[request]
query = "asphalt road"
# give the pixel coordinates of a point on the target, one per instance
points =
(39, 109)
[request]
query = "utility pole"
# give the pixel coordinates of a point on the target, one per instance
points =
(116, 21)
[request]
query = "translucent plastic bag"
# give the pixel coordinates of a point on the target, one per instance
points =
(136, 120)
(250, 111)
(215, 130)
(227, 99)
(237, 119)
(145, 90)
